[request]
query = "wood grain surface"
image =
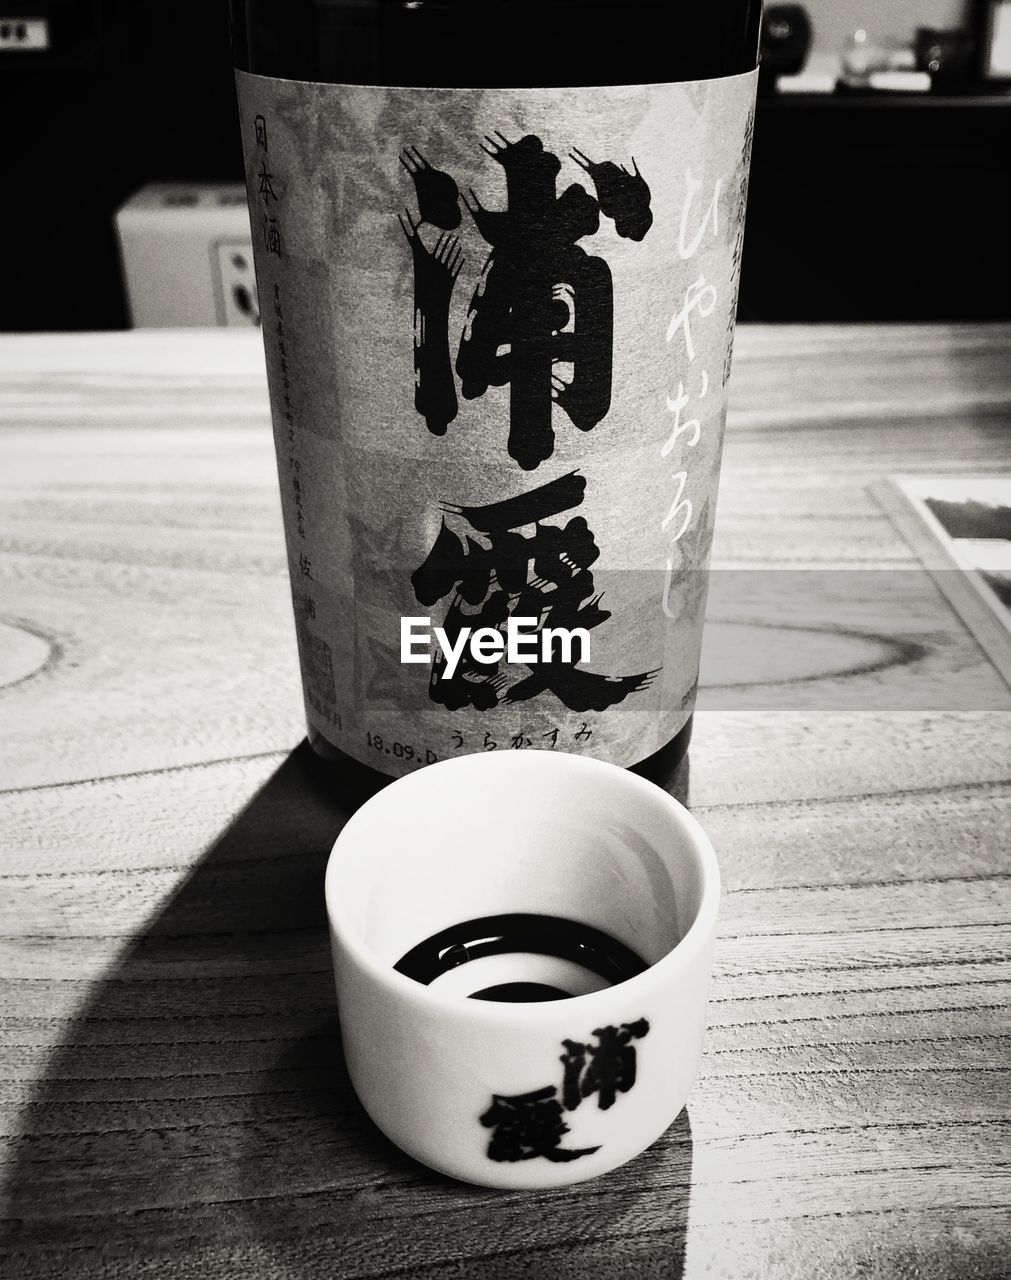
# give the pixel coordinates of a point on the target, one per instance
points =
(173, 1099)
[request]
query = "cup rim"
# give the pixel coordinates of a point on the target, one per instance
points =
(504, 1012)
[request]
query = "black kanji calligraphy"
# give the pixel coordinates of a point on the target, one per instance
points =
(606, 1068)
(527, 1125)
(623, 196)
(435, 273)
(532, 1124)
(272, 235)
(266, 185)
(511, 562)
(541, 317)
(437, 194)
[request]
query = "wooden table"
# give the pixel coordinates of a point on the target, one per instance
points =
(173, 1096)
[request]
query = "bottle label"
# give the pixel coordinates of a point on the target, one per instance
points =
(498, 326)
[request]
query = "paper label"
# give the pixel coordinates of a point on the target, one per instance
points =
(498, 326)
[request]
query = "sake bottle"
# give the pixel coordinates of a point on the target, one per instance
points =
(497, 250)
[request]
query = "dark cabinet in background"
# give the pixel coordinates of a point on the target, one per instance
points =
(879, 208)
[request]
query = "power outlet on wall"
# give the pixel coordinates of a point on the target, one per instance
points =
(25, 35)
(237, 300)
(188, 256)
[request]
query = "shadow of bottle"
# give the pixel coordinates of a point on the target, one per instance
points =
(197, 1116)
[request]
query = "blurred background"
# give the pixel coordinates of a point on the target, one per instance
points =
(881, 179)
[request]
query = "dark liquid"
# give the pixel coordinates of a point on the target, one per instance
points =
(517, 934)
(486, 44)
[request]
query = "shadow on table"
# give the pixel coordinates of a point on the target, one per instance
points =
(197, 1117)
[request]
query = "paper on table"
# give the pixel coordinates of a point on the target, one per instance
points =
(962, 523)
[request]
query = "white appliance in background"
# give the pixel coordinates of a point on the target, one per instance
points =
(187, 256)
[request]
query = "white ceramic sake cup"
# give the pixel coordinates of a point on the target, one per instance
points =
(522, 1094)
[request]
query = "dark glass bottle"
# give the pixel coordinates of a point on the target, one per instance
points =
(493, 44)
(496, 43)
